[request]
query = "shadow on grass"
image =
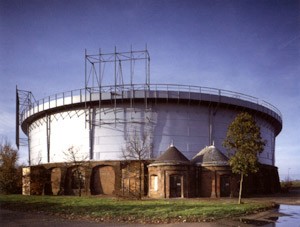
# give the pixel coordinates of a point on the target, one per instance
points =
(124, 210)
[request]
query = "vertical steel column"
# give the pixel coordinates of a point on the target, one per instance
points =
(147, 57)
(131, 78)
(48, 133)
(100, 86)
(210, 120)
(29, 141)
(91, 134)
(17, 119)
(131, 66)
(115, 90)
(147, 69)
(85, 73)
(85, 87)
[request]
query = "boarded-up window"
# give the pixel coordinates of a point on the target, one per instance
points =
(154, 183)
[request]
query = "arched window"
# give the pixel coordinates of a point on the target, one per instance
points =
(153, 182)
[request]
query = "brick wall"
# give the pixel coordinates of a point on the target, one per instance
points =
(121, 178)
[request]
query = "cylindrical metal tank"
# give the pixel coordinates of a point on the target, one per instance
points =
(98, 124)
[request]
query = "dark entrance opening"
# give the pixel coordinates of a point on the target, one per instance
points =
(175, 186)
(225, 186)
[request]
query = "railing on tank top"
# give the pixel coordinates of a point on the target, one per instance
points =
(82, 95)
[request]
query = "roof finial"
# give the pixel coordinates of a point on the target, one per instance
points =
(172, 143)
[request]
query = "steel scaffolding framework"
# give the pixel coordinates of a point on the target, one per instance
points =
(24, 101)
(97, 65)
(94, 77)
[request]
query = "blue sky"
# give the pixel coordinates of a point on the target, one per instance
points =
(251, 47)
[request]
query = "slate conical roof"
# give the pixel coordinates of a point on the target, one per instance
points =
(172, 155)
(210, 156)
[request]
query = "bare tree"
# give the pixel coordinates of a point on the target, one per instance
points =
(78, 162)
(138, 148)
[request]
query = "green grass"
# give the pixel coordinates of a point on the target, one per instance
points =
(113, 209)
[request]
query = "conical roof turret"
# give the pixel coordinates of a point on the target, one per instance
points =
(172, 155)
(210, 155)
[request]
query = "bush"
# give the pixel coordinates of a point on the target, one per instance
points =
(10, 172)
(286, 186)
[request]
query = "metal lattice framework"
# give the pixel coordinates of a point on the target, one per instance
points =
(97, 66)
(119, 66)
(24, 101)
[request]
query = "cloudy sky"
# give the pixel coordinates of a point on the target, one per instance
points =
(251, 47)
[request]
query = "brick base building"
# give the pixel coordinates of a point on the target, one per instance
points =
(170, 175)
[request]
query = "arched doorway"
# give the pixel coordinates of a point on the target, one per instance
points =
(103, 180)
(74, 181)
(55, 181)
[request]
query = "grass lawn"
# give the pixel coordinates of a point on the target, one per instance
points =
(122, 210)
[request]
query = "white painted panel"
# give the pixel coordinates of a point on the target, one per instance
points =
(68, 130)
(186, 126)
(38, 143)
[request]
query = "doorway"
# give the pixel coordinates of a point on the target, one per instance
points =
(175, 186)
(225, 186)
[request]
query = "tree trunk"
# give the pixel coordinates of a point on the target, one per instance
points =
(140, 180)
(241, 188)
(79, 180)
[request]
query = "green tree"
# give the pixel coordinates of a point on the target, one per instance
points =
(243, 143)
(10, 172)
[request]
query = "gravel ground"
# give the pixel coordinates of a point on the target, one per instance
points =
(10, 218)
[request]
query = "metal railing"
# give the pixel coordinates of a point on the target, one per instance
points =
(82, 95)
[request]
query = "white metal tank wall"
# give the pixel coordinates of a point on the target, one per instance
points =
(67, 129)
(110, 137)
(38, 142)
(268, 134)
(221, 121)
(223, 118)
(187, 126)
